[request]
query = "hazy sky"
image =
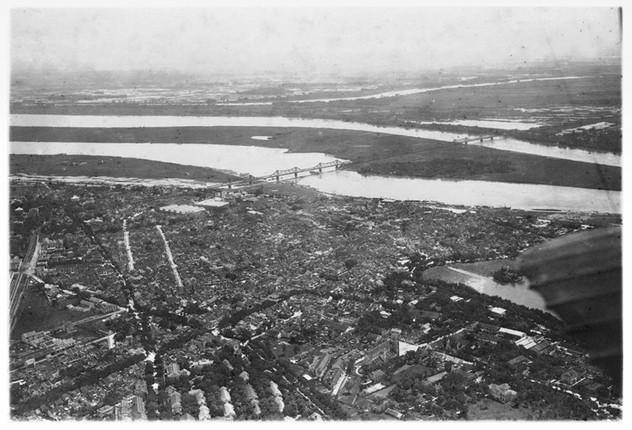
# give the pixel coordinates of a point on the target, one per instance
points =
(306, 40)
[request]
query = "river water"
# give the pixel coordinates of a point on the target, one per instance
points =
(468, 193)
(514, 145)
(254, 160)
(259, 161)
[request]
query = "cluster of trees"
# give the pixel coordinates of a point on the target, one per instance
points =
(189, 404)
(543, 400)
(517, 317)
(505, 275)
(269, 408)
(457, 168)
(47, 213)
(91, 377)
(350, 263)
(237, 316)
(74, 370)
(95, 376)
(280, 371)
(261, 370)
(450, 397)
(244, 407)
(122, 326)
(394, 281)
(374, 322)
(608, 139)
(179, 341)
(168, 320)
(550, 404)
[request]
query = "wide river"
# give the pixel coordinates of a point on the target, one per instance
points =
(514, 145)
(261, 161)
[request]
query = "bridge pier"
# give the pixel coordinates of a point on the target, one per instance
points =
(278, 174)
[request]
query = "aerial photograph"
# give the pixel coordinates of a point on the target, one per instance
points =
(314, 214)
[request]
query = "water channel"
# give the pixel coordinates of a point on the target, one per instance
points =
(508, 144)
(260, 161)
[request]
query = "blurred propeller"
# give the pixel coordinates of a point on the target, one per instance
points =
(580, 278)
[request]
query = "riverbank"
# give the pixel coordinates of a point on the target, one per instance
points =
(607, 140)
(468, 193)
(458, 161)
(371, 152)
(118, 167)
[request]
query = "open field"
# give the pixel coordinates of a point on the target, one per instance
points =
(37, 314)
(372, 153)
(487, 409)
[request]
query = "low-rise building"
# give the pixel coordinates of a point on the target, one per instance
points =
(394, 413)
(502, 393)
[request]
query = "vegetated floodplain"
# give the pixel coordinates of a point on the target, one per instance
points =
(89, 165)
(593, 95)
(372, 153)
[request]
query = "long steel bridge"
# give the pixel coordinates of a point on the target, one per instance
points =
(279, 175)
